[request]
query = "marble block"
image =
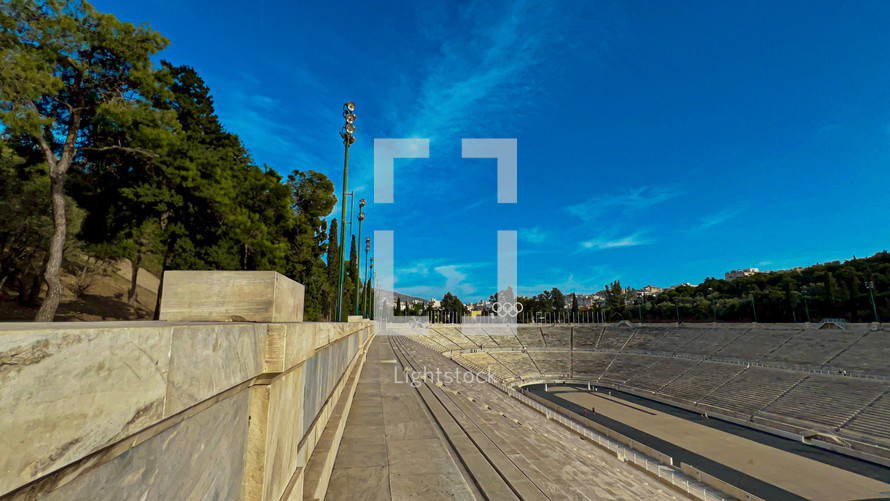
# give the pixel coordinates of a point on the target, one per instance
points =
(66, 392)
(231, 296)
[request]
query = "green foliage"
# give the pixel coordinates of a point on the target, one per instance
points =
(452, 303)
(160, 177)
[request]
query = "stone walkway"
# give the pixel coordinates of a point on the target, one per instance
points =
(390, 447)
(459, 440)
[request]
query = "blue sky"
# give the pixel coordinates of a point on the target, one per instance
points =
(659, 142)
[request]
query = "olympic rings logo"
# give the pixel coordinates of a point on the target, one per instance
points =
(511, 309)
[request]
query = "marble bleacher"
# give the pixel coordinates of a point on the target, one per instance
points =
(756, 343)
(589, 364)
(530, 336)
(613, 338)
(826, 400)
(627, 366)
(454, 335)
(712, 340)
(678, 338)
(585, 336)
(701, 380)
(813, 347)
(552, 363)
(557, 336)
(869, 355)
(660, 374)
(874, 420)
(753, 389)
(518, 362)
(504, 336)
(644, 338)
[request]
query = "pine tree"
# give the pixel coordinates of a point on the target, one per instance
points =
(333, 267)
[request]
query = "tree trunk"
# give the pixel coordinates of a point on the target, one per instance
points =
(134, 274)
(56, 245)
(157, 313)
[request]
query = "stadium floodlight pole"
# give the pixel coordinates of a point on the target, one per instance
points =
(365, 284)
(370, 289)
(346, 133)
(361, 217)
(871, 288)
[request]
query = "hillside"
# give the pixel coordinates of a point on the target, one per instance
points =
(104, 297)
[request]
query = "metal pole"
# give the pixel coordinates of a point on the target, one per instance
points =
(871, 288)
(342, 235)
(361, 217)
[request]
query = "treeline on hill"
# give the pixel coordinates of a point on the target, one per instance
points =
(104, 154)
(831, 290)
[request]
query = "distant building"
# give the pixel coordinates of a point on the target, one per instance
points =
(648, 291)
(684, 284)
(734, 274)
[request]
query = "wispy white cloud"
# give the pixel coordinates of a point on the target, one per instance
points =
(624, 203)
(534, 235)
(612, 243)
(717, 218)
(590, 280)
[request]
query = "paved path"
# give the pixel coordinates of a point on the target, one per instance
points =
(465, 440)
(798, 475)
(390, 448)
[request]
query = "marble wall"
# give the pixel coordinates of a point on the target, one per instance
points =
(165, 410)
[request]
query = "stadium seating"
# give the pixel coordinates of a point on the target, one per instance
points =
(586, 336)
(753, 389)
(557, 336)
(660, 374)
(701, 380)
(530, 336)
(712, 340)
(613, 338)
(518, 362)
(627, 366)
(874, 420)
(813, 347)
(754, 344)
(552, 363)
(868, 355)
(826, 400)
(644, 338)
(590, 365)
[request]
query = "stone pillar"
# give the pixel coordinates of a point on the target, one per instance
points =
(230, 296)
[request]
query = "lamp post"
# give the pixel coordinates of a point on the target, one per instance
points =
(365, 284)
(677, 307)
(346, 133)
(871, 288)
(361, 217)
(370, 291)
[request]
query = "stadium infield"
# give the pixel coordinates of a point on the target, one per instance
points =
(756, 462)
